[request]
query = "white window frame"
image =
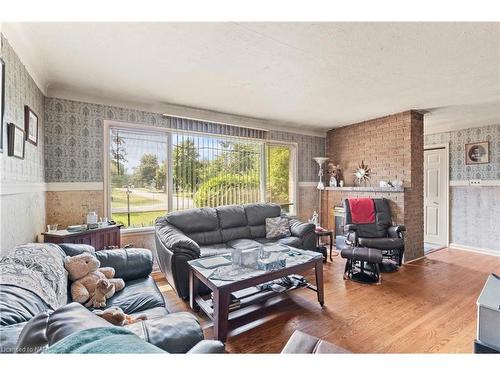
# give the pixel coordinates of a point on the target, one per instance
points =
(110, 124)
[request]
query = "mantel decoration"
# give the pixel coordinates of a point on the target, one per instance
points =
(477, 153)
(335, 173)
(15, 138)
(30, 125)
(362, 173)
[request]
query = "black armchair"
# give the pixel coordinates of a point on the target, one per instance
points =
(381, 234)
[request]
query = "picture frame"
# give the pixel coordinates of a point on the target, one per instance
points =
(477, 153)
(2, 101)
(16, 142)
(30, 125)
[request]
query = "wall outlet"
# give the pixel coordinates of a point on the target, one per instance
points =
(474, 182)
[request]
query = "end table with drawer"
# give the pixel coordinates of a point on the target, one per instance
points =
(99, 238)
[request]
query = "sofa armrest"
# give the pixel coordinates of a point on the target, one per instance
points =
(208, 347)
(350, 227)
(300, 229)
(129, 264)
(396, 231)
(302, 343)
(174, 333)
(173, 239)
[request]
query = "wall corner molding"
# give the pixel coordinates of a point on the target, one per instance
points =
(21, 187)
(467, 183)
(74, 186)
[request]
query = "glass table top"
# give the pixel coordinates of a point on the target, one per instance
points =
(220, 270)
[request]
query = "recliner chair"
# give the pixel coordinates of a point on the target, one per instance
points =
(381, 234)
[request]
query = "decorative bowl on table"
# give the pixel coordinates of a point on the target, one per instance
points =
(76, 228)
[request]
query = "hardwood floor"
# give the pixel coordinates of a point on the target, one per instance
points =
(428, 306)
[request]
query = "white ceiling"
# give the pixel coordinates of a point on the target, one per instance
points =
(312, 76)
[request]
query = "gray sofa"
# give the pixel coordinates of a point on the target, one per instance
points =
(201, 232)
(27, 313)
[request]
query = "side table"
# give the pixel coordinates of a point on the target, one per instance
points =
(325, 233)
(100, 238)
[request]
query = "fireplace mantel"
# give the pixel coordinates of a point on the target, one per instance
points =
(368, 188)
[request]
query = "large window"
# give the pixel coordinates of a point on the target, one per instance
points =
(154, 171)
(138, 176)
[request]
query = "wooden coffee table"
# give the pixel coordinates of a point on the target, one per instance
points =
(303, 260)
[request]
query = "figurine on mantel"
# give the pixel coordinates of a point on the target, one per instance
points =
(335, 173)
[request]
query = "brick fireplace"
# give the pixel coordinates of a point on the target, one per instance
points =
(392, 146)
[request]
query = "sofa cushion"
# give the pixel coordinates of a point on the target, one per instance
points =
(194, 220)
(72, 249)
(257, 213)
(243, 244)
(9, 336)
(206, 238)
(231, 216)
(235, 233)
(215, 249)
(257, 231)
(138, 295)
(129, 264)
(18, 305)
(291, 241)
(288, 241)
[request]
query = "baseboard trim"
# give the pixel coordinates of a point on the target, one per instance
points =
(414, 260)
(474, 249)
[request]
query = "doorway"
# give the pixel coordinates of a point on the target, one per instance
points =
(436, 197)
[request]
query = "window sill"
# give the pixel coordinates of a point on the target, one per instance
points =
(145, 230)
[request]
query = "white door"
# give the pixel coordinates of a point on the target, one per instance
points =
(435, 196)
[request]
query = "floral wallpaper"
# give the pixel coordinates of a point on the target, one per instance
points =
(74, 140)
(457, 140)
(474, 210)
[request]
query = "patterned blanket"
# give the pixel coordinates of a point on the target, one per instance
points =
(38, 268)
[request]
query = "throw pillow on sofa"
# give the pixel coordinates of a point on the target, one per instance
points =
(277, 227)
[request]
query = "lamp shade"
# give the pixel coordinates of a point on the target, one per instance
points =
(320, 160)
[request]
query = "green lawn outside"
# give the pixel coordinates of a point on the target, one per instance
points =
(138, 219)
(119, 199)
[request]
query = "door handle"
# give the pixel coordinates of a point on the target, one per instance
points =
(436, 203)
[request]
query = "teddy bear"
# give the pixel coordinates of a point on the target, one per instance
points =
(103, 288)
(117, 317)
(84, 271)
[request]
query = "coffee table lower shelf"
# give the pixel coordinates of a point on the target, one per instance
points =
(220, 313)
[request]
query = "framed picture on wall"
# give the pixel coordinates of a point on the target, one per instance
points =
(2, 100)
(477, 153)
(30, 125)
(15, 140)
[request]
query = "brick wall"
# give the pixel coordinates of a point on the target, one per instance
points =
(392, 147)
